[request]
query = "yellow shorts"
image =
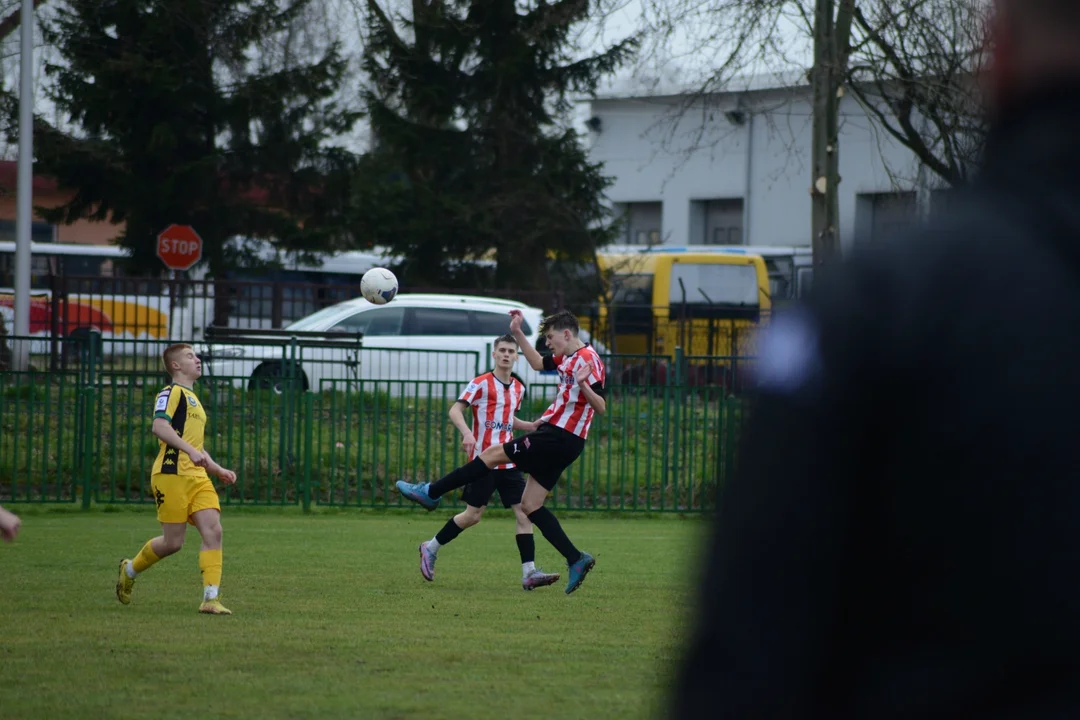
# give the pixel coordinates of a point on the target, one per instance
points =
(178, 497)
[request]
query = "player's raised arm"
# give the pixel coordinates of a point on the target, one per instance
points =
(535, 359)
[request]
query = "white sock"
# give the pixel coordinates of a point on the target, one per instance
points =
(130, 570)
(527, 568)
(210, 592)
(433, 545)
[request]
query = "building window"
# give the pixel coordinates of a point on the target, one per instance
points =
(883, 215)
(643, 222)
(716, 222)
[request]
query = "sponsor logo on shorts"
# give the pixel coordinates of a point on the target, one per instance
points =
(526, 441)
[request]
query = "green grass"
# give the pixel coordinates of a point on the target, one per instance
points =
(654, 448)
(332, 620)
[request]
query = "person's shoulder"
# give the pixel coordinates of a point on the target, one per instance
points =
(478, 383)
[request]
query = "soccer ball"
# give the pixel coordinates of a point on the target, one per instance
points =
(378, 286)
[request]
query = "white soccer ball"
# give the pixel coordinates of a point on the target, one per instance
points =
(378, 286)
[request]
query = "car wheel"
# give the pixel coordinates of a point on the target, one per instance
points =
(271, 376)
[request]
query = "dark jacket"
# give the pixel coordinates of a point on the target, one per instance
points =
(902, 539)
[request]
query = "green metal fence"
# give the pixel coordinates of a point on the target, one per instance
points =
(83, 435)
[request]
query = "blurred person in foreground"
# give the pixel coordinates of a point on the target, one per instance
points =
(903, 537)
(9, 525)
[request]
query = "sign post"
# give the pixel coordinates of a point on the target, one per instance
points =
(179, 247)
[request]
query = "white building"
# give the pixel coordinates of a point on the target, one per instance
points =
(736, 169)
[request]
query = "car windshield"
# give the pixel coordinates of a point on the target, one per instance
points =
(313, 321)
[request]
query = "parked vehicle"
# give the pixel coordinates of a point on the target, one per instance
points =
(439, 340)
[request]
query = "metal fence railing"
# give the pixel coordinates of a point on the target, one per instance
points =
(82, 435)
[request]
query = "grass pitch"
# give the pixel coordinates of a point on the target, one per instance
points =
(333, 620)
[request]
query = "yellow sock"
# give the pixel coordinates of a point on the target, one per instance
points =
(145, 558)
(210, 565)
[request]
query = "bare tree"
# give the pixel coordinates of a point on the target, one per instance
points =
(917, 77)
(912, 64)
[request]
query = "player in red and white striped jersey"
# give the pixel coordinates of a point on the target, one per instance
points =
(555, 444)
(494, 399)
(571, 410)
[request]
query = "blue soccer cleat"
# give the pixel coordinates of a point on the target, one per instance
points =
(418, 493)
(578, 571)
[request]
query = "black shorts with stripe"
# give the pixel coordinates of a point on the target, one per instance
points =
(545, 453)
(510, 484)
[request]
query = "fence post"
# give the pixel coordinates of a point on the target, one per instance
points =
(309, 432)
(54, 322)
(731, 438)
(665, 465)
(288, 379)
(92, 359)
(676, 422)
(87, 445)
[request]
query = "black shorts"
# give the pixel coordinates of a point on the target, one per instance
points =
(510, 484)
(545, 453)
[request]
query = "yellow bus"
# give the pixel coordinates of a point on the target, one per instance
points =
(707, 301)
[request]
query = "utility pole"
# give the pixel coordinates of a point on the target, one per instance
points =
(832, 36)
(24, 182)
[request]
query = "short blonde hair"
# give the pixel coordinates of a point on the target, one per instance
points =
(170, 353)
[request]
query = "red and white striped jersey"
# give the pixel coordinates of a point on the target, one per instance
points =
(494, 404)
(571, 411)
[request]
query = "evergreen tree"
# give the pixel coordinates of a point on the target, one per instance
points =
(185, 114)
(472, 151)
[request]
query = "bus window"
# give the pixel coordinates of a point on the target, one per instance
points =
(632, 289)
(41, 267)
(713, 290)
(82, 265)
(779, 288)
(632, 304)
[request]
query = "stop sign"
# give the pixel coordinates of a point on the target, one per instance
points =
(179, 247)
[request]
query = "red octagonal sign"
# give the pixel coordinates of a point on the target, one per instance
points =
(179, 247)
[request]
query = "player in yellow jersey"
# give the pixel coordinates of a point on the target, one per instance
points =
(180, 484)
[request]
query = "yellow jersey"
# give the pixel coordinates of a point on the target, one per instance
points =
(181, 408)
